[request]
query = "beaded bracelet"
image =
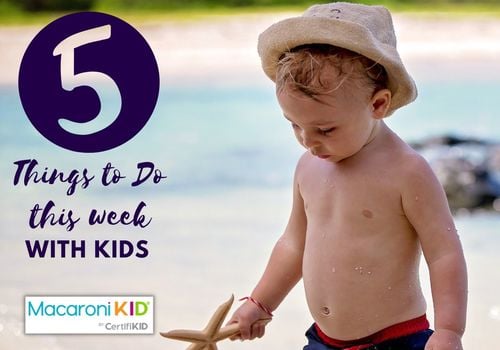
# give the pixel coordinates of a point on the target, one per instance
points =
(256, 302)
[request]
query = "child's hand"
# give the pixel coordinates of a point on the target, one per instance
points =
(444, 339)
(247, 316)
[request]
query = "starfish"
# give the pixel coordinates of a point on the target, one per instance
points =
(207, 338)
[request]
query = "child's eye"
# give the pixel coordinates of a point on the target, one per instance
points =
(295, 126)
(326, 131)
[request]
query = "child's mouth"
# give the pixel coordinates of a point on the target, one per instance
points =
(322, 156)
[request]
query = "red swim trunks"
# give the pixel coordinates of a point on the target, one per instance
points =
(396, 331)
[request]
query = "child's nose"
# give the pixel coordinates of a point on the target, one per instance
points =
(308, 140)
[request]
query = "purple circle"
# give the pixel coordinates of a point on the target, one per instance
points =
(125, 57)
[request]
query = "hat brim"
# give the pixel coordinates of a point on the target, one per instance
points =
(292, 32)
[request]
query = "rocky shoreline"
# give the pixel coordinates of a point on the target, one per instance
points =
(468, 169)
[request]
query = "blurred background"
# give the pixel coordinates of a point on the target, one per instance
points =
(64, 5)
(218, 133)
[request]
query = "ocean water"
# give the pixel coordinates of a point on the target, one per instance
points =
(229, 157)
(237, 136)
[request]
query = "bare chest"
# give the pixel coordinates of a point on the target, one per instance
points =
(358, 202)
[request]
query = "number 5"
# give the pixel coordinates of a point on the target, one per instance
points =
(70, 80)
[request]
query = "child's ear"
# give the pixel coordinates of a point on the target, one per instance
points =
(380, 103)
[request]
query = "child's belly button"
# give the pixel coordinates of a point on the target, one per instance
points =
(325, 310)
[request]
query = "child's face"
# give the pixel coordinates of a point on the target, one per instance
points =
(334, 126)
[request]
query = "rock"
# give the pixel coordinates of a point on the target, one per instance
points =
(468, 169)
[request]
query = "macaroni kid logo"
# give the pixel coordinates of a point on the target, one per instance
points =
(89, 315)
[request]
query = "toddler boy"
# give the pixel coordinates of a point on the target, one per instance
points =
(365, 205)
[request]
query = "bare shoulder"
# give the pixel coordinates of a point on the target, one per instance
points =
(403, 161)
(304, 160)
(409, 170)
(422, 194)
(304, 165)
(414, 169)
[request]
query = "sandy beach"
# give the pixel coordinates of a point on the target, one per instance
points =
(205, 246)
(223, 49)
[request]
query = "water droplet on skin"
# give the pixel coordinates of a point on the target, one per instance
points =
(333, 269)
(359, 269)
(369, 272)
(389, 288)
(367, 213)
(416, 198)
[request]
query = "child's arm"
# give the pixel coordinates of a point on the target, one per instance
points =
(425, 205)
(283, 270)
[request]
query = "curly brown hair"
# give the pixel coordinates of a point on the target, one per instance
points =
(304, 68)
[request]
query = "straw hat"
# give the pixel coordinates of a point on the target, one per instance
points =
(364, 29)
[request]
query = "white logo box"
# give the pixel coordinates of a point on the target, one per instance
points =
(130, 314)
